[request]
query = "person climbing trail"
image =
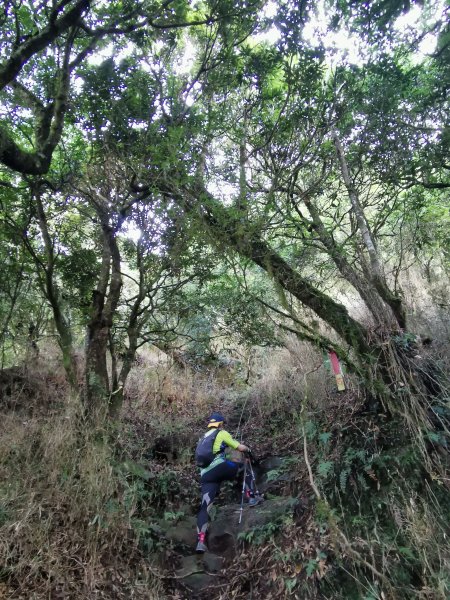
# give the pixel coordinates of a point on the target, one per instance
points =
(215, 467)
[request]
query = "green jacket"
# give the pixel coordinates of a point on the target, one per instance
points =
(223, 438)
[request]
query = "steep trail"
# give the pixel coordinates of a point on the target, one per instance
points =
(197, 575)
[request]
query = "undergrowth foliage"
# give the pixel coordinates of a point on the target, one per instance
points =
(83, 509)
(374, 512)
(64, 507)
(79, 506)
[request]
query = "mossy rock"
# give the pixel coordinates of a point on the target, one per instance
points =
(198, 572)
(184, 533)
(225, 529)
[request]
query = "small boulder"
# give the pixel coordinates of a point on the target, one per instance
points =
(271, 463)
(275, 475)
(196, 572)
(184, 533)
(225, 529)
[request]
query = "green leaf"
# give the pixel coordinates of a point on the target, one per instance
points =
(311, 567)
(406, 551)
(325, 468)
(324, 437)
(290, 583)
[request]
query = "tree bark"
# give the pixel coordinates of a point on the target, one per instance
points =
(52, 294)
(362, 285)
(42, 39)
(104, 304)
(242, 200)
(375, 267)
(229, 231)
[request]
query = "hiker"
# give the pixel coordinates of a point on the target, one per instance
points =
(217, 467)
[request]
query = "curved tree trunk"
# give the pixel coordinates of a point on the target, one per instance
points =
(52, 293)
(378, 360)
(227, 230)
(382, 317)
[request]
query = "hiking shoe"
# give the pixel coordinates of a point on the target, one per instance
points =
(201, 547)
(255, 500)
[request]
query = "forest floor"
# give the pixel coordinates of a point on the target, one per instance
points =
(109, 512)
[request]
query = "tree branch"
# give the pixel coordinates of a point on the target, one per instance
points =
(10, 68)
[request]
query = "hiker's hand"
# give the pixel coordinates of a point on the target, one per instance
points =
(243, 448)
(248, 451)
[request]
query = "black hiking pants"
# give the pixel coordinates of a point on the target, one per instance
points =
(210, 486)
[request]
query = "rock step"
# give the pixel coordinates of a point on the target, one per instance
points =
(199, 571)
(206, 563)
(225, 527)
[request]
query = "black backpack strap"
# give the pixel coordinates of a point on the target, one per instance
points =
(213, 438)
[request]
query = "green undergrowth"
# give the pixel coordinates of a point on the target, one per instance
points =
(381, 522)
(374, 514)
(391, 508)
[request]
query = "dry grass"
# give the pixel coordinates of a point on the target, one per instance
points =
(65, 531)
(289, 375)
(167, 391)
(66, 521)
(67, 517)
(428, 308)
(428, 537)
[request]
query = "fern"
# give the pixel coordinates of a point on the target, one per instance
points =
(362, 482)
(325, 468)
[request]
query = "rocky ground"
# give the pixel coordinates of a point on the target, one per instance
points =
(196, 574)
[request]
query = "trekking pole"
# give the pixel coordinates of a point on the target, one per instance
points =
(243, 493)
(253, 476)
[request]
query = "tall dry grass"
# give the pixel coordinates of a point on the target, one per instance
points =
(65, 531)
(286, 376)
(172, 397)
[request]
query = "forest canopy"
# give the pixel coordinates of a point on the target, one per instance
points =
(154, 153)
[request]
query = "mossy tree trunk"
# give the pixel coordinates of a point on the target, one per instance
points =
(105, 299)
(231, 232)
(366, 352)
(373, 266)
(46, 272)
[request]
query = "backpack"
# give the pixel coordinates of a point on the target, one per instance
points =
(204, 454)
